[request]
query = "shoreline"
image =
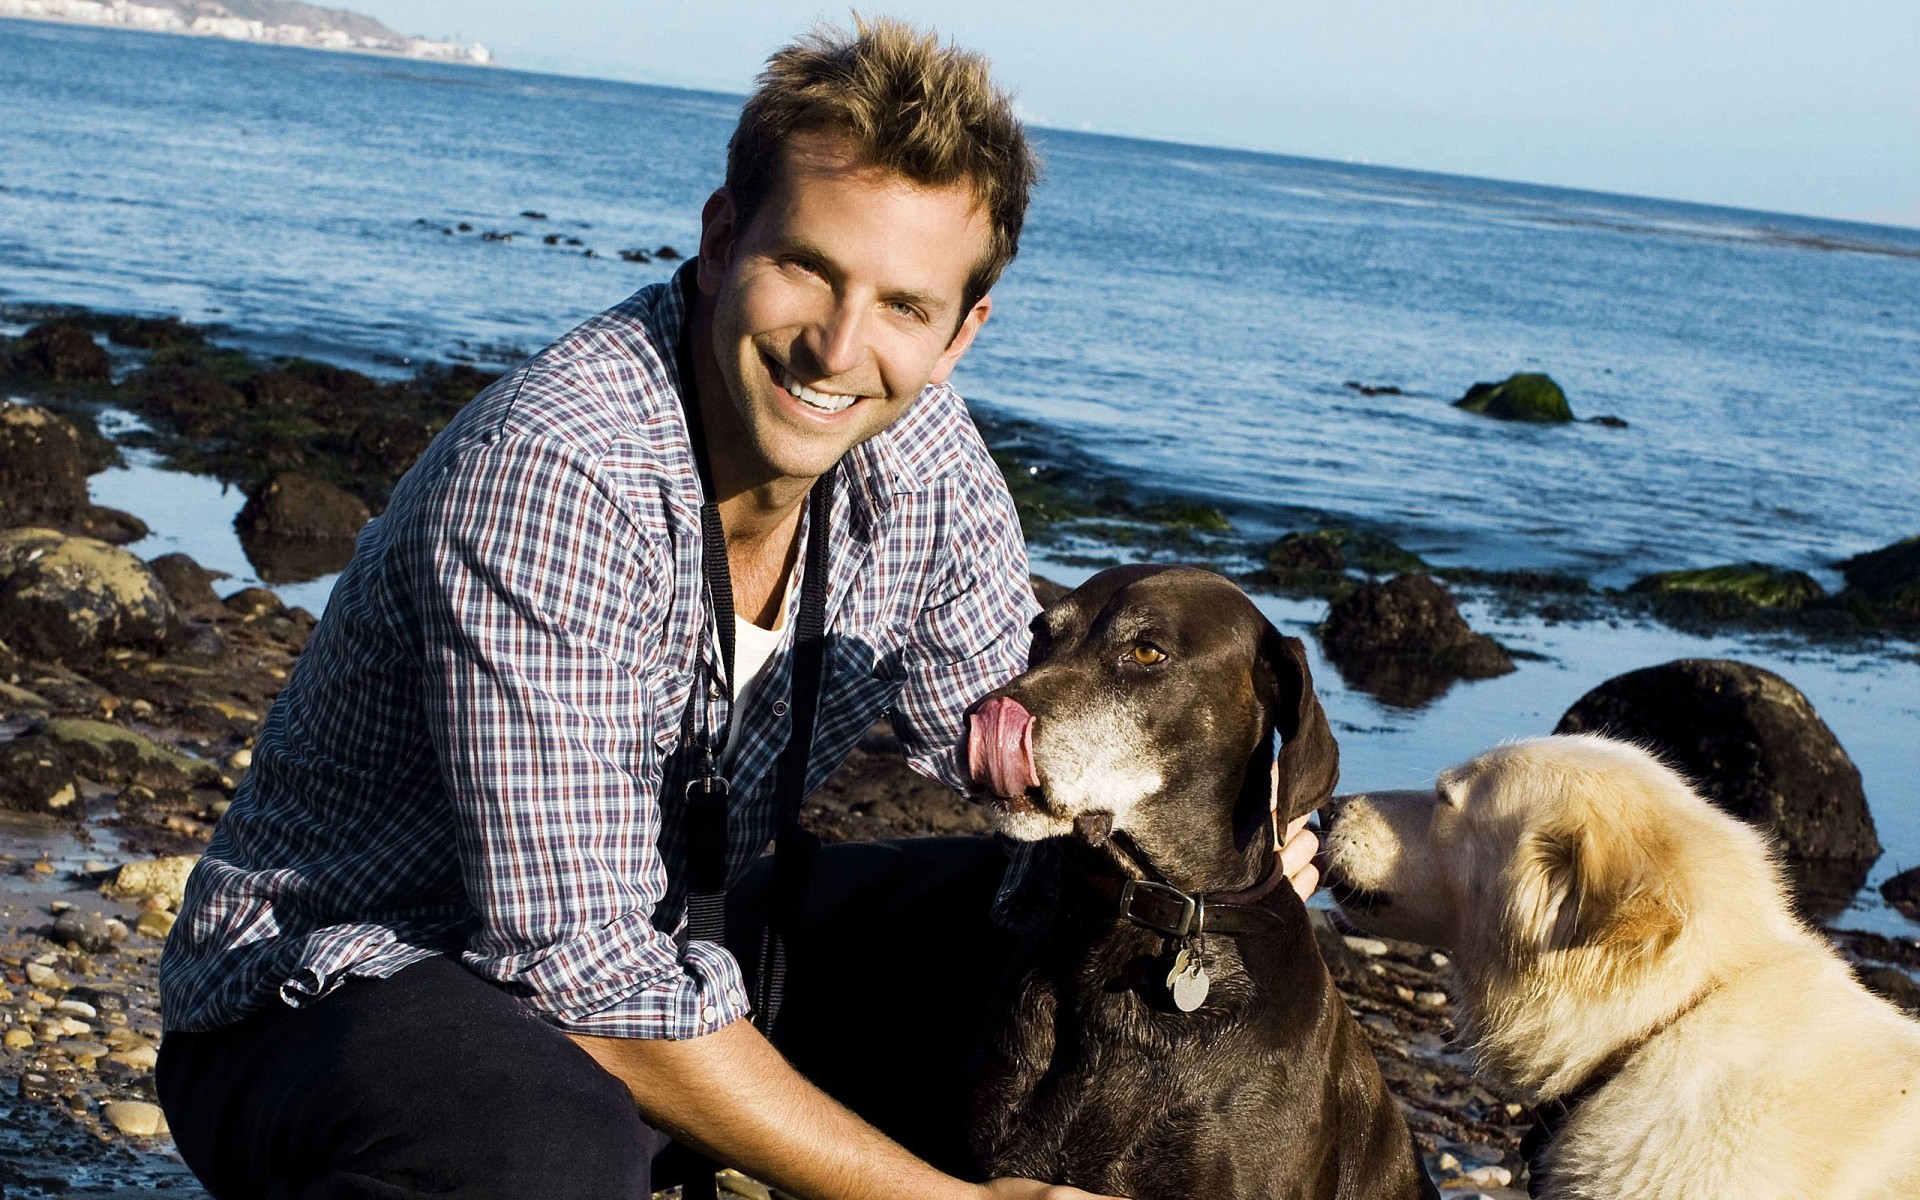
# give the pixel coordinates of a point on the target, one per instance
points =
(202, 708)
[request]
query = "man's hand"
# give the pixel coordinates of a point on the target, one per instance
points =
(1297, 848)
(1031, 1189)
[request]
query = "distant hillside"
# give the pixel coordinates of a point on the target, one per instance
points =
(282, 22)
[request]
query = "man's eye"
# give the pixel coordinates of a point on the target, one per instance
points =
(1147, 654)
(901, 308)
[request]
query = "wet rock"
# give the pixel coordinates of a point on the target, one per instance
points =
(1372, 390)
(189, 585)
(1888, 577)
(1903, 892)
(63, 353)
(1405, 642)
(42, 467)
(255, 604)
(152, 333)
(1316, 562)
(135, 1118)
(1525, 397)
(109, 754)
(18, 701)
(635, 256)
(1754, 745)
(296, 527)
(667, 254)
(92, 932)
(72, 598)
(162, 877)
(37, 778)
(155, 923)
(531, 215)
(390, 444)
(1729, 591)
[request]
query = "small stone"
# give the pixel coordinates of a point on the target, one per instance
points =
(140, 1058)
(1371, 947)
(1432, 999)
(19, 1039)
(94, 866)
(154, 923)
(76, 1008)
(1405, 993)
(1488, 1177)
(84, 1049)
(1446, 1162)
(69, 1027)
(43, 976)
(89, 931)
(135, 1118)
(1514, 1110)
(42, 999)
(1440, 961)
(240, 760)
(44, 867)
(60, 906)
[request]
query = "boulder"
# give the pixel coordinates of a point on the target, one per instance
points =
(74, 597)
(1405, 642)
(1752, 743)
(152, 333)
(1903, 892)
(1524, 397)
(189, 585)
(1731, 590)
(295, 527)
(64, 353)
(36, 778)
(43, 469)
(110, 754)
(162, 877)
(1889, 577)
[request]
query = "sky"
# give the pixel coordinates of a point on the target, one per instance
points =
(1763, 104)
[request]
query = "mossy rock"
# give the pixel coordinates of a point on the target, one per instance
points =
(43, 468)
(1187, 514)
(63, 352)
(1529, 396)
(110, 754)
(1887, 578)
(73, 598)
(1733, 589)
(1339, 549)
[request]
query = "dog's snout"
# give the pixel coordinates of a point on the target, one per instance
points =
(1000, 748)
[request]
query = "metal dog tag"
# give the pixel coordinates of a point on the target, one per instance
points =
(1180, 962)
(1190, 988)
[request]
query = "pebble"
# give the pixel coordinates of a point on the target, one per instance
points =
(240, 759)
(18, 1039)
(1404, 992)
(42, 976)
(1439, 960)
(1371, 947)
(76, 1008)
(135, 1118)
(60, 906)
(1432, 999)
(155, 923)
(140, 1058)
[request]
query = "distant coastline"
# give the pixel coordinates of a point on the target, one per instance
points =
(275, 22)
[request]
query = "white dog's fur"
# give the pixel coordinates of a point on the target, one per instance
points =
(1603, 916)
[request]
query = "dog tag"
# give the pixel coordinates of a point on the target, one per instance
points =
(1190, 987)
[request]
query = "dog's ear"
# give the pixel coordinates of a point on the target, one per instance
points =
(1309, 765)
(1570, 889)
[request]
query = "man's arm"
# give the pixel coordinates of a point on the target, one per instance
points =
(731, 1095)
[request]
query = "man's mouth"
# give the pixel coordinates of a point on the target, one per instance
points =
(819, 401)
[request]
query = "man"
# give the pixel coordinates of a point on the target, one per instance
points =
(439, 944)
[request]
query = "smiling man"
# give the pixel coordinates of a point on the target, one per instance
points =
(465, 928)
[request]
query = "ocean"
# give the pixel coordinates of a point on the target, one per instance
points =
(1187, 316)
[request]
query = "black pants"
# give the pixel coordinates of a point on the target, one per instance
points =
(435, 1082)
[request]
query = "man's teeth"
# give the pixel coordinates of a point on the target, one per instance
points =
(824, 401)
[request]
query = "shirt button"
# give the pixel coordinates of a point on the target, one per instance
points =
(779, 708)
(713, 691)
(709, 1014)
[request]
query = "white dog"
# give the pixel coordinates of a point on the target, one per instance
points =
(1627, 960)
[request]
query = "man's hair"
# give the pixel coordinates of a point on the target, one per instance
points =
(928, 113)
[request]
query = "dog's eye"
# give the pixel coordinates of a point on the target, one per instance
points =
(1147, 654)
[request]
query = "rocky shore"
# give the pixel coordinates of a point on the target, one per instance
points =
(131, 691)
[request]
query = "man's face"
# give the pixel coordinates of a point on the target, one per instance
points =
(833, 307)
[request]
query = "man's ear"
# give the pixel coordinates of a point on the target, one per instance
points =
(1567, 891)
(718, 220)
(1309, 763)
(962, 338)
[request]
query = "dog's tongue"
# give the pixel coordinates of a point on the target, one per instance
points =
(1000, 748)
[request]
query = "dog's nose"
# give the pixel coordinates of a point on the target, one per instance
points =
(1000, 747)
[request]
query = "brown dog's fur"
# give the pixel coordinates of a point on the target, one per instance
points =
(1160, 769)
(1609, 924)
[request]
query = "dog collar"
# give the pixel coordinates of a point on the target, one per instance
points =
(1166, 909)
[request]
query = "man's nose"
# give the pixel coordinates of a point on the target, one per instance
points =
(837, 340)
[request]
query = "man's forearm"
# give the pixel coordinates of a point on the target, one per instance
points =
(732, 1095)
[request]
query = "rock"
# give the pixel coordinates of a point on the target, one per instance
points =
(1405, 642)
(153, 333)
(43, 469)
(18, 1039)
(635, 256)
(296, 527)
(1609, 422)
(64, 353)
(155, 923)
(1731, 590)
(531, 215)
(135, 1118)
(37, 778)
(1889, 577)
(110, 754)
(1371, 947)
(254, 604)
(1903, 892)
(165, 877)
(140, 1058)
(1317, 562)
(74, 597)
(666, 254)
(1372, 390)
(91, 932)
(1752, 744)
(189, 585)
(1523, 397)
(389, 443)
(41, 975)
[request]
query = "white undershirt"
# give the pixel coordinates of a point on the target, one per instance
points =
(753, 647)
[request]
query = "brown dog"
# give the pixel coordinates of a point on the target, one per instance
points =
(1173, 1032)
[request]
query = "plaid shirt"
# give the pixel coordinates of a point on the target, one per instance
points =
(475, 753)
